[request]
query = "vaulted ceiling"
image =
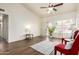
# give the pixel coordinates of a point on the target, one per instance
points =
(35, 7)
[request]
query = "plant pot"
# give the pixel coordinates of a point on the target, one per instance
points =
(50, 37)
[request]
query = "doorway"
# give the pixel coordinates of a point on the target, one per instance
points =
(3, 32)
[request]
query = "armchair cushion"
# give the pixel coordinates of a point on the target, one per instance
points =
(69, 45)
(61, 47)
(68, 40)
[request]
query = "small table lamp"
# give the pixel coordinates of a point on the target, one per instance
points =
(28, 34)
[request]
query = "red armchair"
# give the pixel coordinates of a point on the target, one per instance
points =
(74, 36)
(73, 51)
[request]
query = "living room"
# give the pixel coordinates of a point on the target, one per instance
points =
(34, 21)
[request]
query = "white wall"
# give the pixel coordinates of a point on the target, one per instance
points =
(52, 19)
(19, 17)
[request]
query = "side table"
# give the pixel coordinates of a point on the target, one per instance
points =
(29, 36)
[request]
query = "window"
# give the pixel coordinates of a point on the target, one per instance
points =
(64, 28)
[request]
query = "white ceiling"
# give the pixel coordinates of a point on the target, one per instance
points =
(35, 7)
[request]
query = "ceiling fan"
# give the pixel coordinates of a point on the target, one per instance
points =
(51, 6)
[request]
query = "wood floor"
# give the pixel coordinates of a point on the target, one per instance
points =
(22, 47)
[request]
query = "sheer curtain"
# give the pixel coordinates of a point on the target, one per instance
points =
(64, 28)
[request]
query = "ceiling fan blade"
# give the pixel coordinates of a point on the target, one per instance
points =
(54, 9)
(58, 5)
(43, 7)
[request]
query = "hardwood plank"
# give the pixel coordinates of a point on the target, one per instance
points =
(22, 47)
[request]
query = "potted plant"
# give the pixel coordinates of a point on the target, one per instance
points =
(50, 31)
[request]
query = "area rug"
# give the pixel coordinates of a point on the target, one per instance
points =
(45, 47)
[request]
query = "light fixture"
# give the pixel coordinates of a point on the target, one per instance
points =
(50, 9)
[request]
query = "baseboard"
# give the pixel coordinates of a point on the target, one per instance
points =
(21, 39)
